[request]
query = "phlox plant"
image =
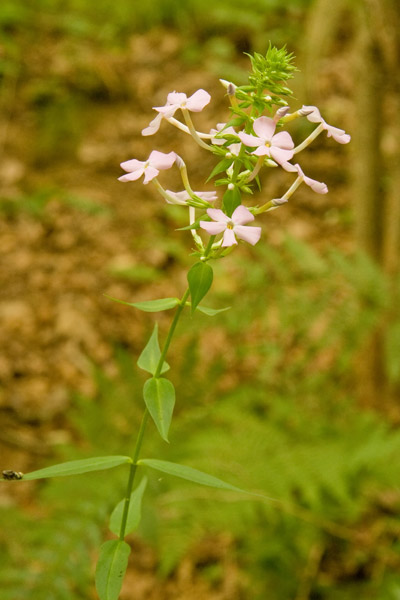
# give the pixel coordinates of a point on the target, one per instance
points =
(252, 138)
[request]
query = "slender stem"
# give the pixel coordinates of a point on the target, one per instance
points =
(193, 131)
(309, 139)
(182, 127)
(139, 440)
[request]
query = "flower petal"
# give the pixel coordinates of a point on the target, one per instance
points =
(149, 173)
(132, 165)
(314, 116)
(250, 140)
(176, 98)
(242, 215)
(153, 126)
(131, 176)
(229, 238)
(217, 215)
(316, 186)
(177, 197)
(212, 228)
(248, 234)
(197, 101)
(281, 155)
(264, 127)
(339, 135)
(160, 160)
(282, 139)
(209, 196)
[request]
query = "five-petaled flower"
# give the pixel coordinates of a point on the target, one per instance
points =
(234, 226)
(278, 146)
(314, 116)
(151, 167)
(175, 100)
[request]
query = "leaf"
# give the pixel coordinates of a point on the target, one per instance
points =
(150, 305)
(111, 568)
(200, 279)
(231, 200)
(159, 396)
(211, 312)
(134, 511)
(78, 467)
(149, 358)
(223, 165)
(188, 473)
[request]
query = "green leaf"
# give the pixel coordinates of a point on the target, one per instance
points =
(211, 312)
(188, 473)
(150, 305)
(78, 467)
(231, 200)
(159, 396)
(111, 568)
(200, 279)
(150, 356)
(223, 165)
(134, 512)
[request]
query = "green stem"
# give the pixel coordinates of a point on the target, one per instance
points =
(139, 441)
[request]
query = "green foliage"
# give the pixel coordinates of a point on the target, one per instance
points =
(134, 512)
(159, 397)
(111, 568)
(151, 354)
(200, 278)
(78, 467)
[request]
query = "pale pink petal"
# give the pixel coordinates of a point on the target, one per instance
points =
(132, 176)
(153, 126)
(177, 197)
(289, 167)
(262, 151)
(229, 238)
(209, 196)
(197, 101)
(235, 149)
(314, 116)
(161, 161)
(176, 98)
(316, 186)
(241, 215)
(132, 165)
(282, 140)
(167, 111)
(280, 155)
(264, 127)
(248, 234)
(149, 174)
(213, 228)
(217, 215)
(339, 135)
(250, 140)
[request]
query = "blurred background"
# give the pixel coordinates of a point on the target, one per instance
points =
(293, 392)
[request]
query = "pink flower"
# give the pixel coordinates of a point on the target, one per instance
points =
(233, 226)
(175, 100)
(316, 186)
(314, 116)
(182, 197)
(156, 162)
(279, 147)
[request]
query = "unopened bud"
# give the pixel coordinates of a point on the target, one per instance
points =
(278, 201)
(231, 89)
(231, 187)
(282, 111)
(225, 83)
(179, 162)
(304, 111)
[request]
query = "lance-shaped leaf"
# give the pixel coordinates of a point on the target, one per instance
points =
(150, 356)
(230, 201)
(211, 312)
(78, 467)
(150, 305)
(134, 511)
(188, 473)
(111, 568)
(200, 278)
(159, 396)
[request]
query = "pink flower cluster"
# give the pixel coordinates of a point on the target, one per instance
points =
(270, 147)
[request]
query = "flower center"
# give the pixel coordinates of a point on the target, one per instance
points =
(268, 144)
(230, 225)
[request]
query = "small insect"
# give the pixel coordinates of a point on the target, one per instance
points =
(12, 475)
